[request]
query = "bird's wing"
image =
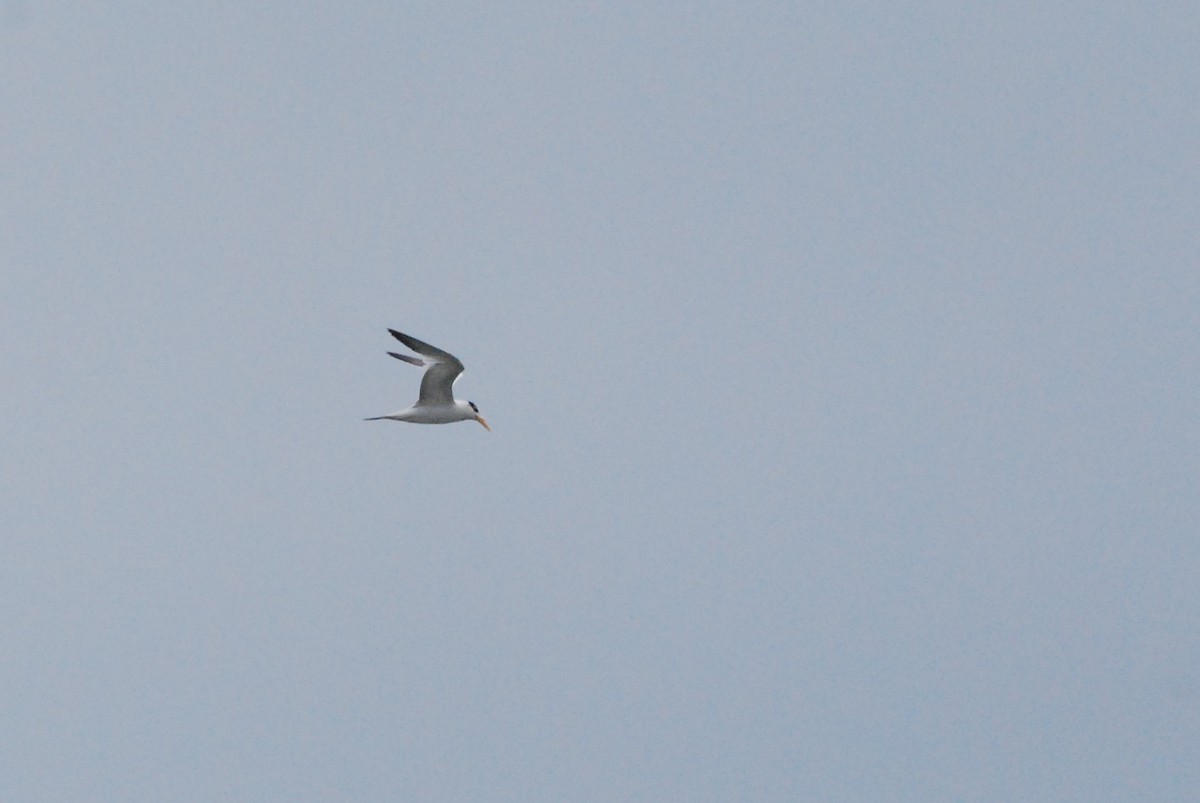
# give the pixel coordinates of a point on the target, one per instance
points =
(423, 348)
(437, 386)
(407, 358)
(438, 383)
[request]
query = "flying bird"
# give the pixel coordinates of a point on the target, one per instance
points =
(436, 404)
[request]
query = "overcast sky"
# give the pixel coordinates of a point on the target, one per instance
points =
(843, 362)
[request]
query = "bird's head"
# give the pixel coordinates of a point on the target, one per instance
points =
(478, 417)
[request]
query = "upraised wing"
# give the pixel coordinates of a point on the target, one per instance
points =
(437, 386)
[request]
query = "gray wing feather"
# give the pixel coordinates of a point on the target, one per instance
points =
(412, 360)
(437, 385)
(421, 347)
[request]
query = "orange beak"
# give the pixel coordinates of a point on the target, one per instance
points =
(479, 418)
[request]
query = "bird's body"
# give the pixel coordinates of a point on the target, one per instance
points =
(436, 414)
(436, 404)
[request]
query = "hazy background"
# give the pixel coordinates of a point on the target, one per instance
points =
(843, 361)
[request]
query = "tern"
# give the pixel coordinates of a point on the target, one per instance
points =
(436, 404)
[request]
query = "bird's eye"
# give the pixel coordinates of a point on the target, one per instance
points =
(473, 407)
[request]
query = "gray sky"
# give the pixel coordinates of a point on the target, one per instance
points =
(842, 361)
